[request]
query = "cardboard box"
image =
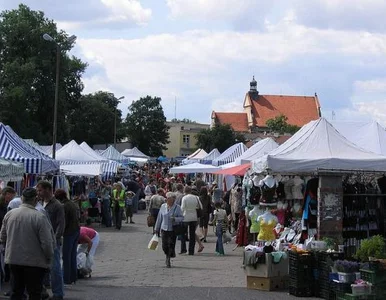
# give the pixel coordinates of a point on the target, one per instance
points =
(280, 269)
(267, 284)
(269, 268)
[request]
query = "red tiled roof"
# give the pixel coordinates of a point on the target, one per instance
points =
(298, 109)
(238, 121)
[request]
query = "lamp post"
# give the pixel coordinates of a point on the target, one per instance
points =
(70, 40)
(115, 122)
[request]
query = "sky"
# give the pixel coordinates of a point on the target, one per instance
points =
(200, 55)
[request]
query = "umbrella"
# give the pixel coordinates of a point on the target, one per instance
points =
(235, 171)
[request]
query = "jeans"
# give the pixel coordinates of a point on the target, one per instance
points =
(106, 215)
(191, 227)
(26, 278)
(70, 245)
(57, 285)
(219, 242)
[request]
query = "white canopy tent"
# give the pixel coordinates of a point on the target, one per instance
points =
(194, 168)
(72, 152)
(257, 150)
(319, 146)
(195, 157)
(112, 153)
(210, 157)
(230, 155)
(370, 136)
(77, 160)
(92, 152)
(81, 169)
(134, 152)
(194, 153)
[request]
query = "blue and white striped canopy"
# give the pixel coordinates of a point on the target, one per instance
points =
(112, 153)
(15, 148)
(230, 154)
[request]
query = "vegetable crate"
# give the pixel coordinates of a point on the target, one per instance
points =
(373, 277)
(300, 292)
(355, 297)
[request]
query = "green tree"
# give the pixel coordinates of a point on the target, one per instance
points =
(279, 124)
(221, 136)
(94, 123)
(146, 125)
(27, 75)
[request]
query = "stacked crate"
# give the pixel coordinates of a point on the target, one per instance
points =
(322, 269)
(378, 280)
(301, 283)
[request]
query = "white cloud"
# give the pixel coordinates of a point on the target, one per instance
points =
(336, 14)
(227, 105)
(342, 14)
(213, 9)
(127, 10)
(374, 85)
(199, 65)
(75, 14)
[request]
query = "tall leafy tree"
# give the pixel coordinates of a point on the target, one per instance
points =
(27, 75)
(94, 123)
(279, 124)
(221, 136)
(146, 125)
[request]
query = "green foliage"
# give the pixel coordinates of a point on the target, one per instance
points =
(372, 247)
(221, 136)
(27, 75)
(279, 124)
(94, 123)
(146, 126)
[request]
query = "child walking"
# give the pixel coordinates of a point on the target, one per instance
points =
(220, 221)
(129, 207)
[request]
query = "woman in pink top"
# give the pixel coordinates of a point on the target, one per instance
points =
(90, 237)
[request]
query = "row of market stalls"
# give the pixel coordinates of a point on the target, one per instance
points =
(345, 161)
(24, 158)
(317, 145)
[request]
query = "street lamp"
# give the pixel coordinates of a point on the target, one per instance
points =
(70, 40)
(115, 121)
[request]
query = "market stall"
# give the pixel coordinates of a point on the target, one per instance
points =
(318, 191)
(212, 155)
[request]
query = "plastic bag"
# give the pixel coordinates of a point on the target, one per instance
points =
(81, 260)
(153, 244)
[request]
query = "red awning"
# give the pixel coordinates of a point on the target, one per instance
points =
(235, 171)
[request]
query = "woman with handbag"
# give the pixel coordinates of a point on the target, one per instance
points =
(169, 216)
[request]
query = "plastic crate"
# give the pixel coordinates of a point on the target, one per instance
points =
(300, 292)
(373, 277)
(360, 289)
(355, 297)
(341, 288)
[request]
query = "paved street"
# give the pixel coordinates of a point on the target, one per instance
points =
(126, 269)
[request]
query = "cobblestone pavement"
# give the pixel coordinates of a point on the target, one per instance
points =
(125, 269)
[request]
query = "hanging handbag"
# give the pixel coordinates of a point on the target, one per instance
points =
(178, 227)
(150, 221)
(198, 209)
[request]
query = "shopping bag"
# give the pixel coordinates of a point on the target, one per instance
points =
(150, 221)
(153, 244)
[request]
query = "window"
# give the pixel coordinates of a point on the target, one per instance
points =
(186, 138)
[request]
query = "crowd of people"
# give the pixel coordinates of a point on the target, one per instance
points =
(41, 234)
(40, 238)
